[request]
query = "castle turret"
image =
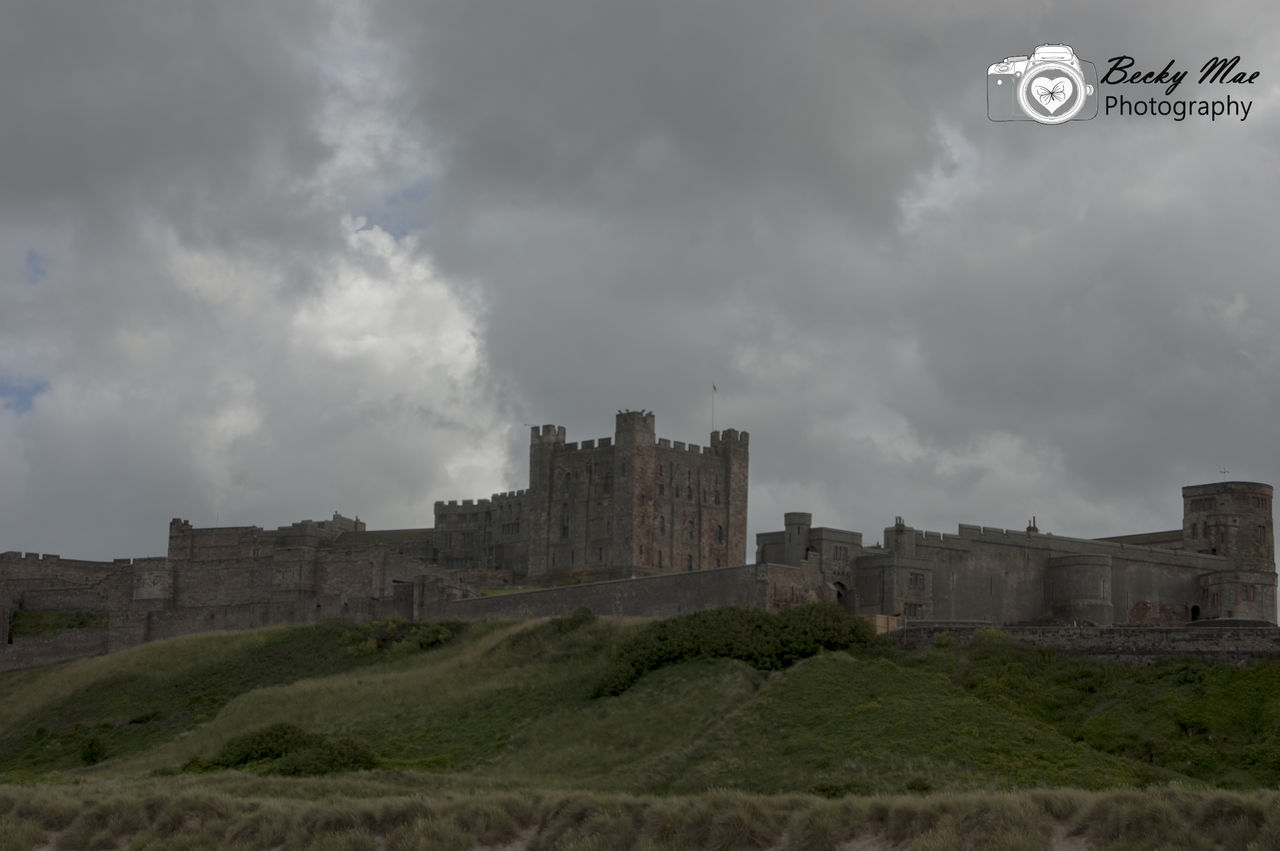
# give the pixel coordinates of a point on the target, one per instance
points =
(1233, 519)
(634, 477)
(1230, 519)
(732, 446)
(544, 442)
(797, 541)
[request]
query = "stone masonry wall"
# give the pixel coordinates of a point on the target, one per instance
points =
(663, 595)
(49, 650)
(1134, 645)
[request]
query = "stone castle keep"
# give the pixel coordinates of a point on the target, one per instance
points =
(640, 525)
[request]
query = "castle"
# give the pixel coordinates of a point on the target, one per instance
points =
(639, 525)
(1219, 565)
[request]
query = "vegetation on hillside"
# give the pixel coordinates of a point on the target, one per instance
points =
(33, 624)
(806, 701)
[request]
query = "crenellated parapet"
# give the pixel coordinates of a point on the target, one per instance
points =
(547, 434)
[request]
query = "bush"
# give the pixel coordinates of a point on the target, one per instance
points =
(288, 749)
(395, 635)
(268, 743)
(92, 751)
(760, 639)
(29, 624)
(578, 618)
(328, 756)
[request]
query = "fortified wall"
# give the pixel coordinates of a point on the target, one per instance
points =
(1220, 565)
(633, 505)
(212, 579)
(642, 526)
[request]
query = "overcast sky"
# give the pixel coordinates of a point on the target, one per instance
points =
(260, 262)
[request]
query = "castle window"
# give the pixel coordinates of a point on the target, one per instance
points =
(468, 540)
(717, 498)
(659, 558)
(719, 534)
(600, 554)
(608, 482)
(564, 520)
(688, 562)
(662, 525)
(690, 529)
(661, 488)
(916, 581)
(689, 494)
(256, 552)
(913, 610)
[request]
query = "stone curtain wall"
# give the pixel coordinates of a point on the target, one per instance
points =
(663, 595)
(48, 650)
(1134, 645)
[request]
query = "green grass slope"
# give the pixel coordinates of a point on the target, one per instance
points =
(803, 703)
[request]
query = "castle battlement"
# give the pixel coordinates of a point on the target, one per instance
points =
(730, 436)
(547, 434)
(16, 555)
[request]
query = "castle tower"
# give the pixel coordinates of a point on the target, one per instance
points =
(544, 443)
(797, 536)
(732, 447)
(1230, 519)
(634, 474)
(1233, 519)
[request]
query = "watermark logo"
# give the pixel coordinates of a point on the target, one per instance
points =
(1218, 71)
(1053, 85)
(1050, 86)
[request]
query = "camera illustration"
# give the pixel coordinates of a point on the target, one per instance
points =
(1051, 86)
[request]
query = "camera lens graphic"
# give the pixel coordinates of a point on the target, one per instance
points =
(1052, 93)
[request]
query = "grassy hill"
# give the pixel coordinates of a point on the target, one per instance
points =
(728, 703)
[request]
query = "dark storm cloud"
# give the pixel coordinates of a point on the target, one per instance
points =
(914, 310)
(808, 205)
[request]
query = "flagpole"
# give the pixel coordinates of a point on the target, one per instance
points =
(713, 407)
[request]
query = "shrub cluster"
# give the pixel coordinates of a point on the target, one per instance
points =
(762, 640)
(287, 749)
(30, 624)
(396, 635)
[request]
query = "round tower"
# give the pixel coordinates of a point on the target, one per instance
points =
(1231, 519)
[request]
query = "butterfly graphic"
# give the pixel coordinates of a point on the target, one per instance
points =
(1052, 95)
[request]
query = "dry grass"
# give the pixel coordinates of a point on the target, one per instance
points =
(146, 814)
